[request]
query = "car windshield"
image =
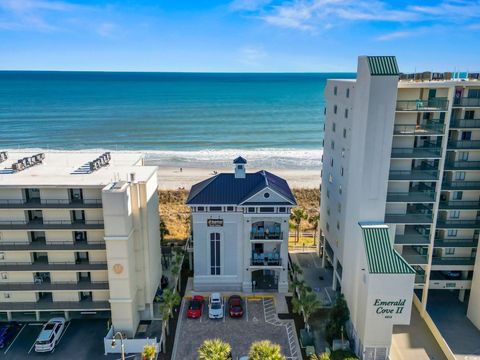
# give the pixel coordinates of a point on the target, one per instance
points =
(236, 308)
(49, 326)
(44, 342)
(216, 306)
(195, 305)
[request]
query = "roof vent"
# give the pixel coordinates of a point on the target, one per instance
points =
(28, 161)
(3, 156)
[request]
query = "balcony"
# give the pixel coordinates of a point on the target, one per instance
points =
(51, 225)
(412, 238)
(463, 144)
(82, 285)
(265, 259)
(44, 265)
(458, 224)
(450, 284)
(414, 258)
(425, 152)
(420, 196)
(42, 245)
(464, 123)
(459, 205)
(452, 243)
(462, 165)
(420, 279)
(433, 104)
(466, 102)
(415, 174)
(453, 261)
(48, 304)
(430, 128)
(261, 235)
(461, 185)
(410, 217)
(50, 204)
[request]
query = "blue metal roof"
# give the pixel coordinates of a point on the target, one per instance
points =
(226, 189)
(240, 160)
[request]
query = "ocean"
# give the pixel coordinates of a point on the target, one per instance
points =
(176, 118)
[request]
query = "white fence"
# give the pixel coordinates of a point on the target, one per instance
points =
(132, 346)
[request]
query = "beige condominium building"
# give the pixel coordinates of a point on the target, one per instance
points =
(79, 234)
(403, 152)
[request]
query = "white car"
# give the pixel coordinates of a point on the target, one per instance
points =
(215, 306)
(50, 335)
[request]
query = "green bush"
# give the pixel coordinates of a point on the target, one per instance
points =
(338, 317)
(343, 355)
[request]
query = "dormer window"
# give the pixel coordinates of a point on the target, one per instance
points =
(266, 195)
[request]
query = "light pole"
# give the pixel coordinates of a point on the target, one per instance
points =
(122, 345)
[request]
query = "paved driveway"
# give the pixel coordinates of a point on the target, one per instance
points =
(258, 323)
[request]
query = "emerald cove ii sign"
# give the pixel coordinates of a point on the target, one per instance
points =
(389, 308)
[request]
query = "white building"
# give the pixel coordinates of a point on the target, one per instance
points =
(405, 153)
(240, 231)
(79, 234)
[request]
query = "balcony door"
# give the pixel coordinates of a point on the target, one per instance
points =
(76, 195)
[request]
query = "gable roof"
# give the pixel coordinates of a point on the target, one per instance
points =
(226, 189)
(383, 65)
(240, 160)
(381, 256)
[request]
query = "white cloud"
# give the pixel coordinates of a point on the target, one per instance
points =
(395, 35)
(248, 5)
(252, 56)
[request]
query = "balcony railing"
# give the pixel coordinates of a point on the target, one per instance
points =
(453, 261)
(42, 244)
(451, 243)
(412, 239)
(54, 305)
(458, 224)
(409, 218)
(50, 224)
(459, 205)
(450, 284)
(433, 104)
(463, 144)
(464, 123)
(414, 174)
(414, 259)
(51, 286)
(422, 129)
(426, 152)
(462, 165)
(266, 259)
(261, 235)
(466, 102)
(422, 196)
(49, 203)
(461, 185)
(44, 265)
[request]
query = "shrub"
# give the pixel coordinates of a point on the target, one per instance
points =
(265, 350)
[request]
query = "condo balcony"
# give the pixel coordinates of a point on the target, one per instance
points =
(420, 215)
(462, 165)
(48, 304)
(44, 265)
(461, 185)
(463, 144)
(266, 230)
(37, 203)
(47, 285)
(429, 128)
(459, 205)
(42, 245)
(416, 174)
(412, 237)
(424, 152)
(433, 104)
(412, 196)
(413, 257)
(458, 224)
(466, 102)
(453, 261)
(452, 243)
(266, 259)
(464, 123)
(40, 224)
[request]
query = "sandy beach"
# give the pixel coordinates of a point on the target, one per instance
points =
(170, 178)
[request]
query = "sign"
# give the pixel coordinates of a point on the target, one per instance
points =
(389, 308)
(215, 222)
(118, 268)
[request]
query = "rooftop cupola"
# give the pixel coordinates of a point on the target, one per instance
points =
(239, 163)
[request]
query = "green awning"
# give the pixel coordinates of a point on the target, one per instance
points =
(383, 65)
(381, 256)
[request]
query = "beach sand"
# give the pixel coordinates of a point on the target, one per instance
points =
(170, 178)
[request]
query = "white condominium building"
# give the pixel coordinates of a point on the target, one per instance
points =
(79, 235)
(402, 152)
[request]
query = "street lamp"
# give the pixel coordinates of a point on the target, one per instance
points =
(122, 345)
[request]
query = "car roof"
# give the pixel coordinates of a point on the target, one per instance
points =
(216, 295)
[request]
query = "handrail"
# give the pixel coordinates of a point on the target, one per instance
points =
(462, 164)
(50, 201)
(440, 103)
(463, 144)
(420, 129)
(50, 222)
(461, 184)
(466, 101)
(464, 123)
(460, 203)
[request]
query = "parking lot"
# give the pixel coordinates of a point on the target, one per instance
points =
(81, 339)
(259, 322)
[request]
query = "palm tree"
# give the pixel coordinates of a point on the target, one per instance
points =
(306, 305)
(215, 349)
(313, 220)
(163, 230)
(322, 356)
(299, 286)
(170, 300)
(148, 352)
(265, 350)
(296, 270)
(298, 214)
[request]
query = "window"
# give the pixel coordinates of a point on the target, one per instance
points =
(463, 155)
(348, 92)
(340, 189)
(346, 113)
(215, 208)
(332, 145)
(343, 152)
(215, 253)
(470, 115)
(335, 91)
(2, 256)
(455, 214)
(331, 162)
(201, 208)
(344, 133)
(328, 194)
(474, 93)
(325, 111)
(4, 276)
(333, 127)
(328, 210)
(466, 135)
(251, 210)
(341, 171)
(460, 175)
(230, 208)
(452, 232)
(334, 109)
(6, 295)
(339, 207)
(240, 167)
(457, 195)
(338, 225)
(328, 226)
(266, 195)
(449, 251)
(282, 209)
(330, 178)
(267, 209)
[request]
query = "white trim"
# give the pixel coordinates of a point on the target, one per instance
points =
(258, 192)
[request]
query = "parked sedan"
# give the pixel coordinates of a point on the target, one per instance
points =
(235, 307)
(7, 333)
(195, 307)
(215, 306)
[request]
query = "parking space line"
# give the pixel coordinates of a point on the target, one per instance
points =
(64, 331)
(9, 346)
(29, 351)
(224, 309)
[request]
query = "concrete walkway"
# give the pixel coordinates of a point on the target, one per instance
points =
(414, 341)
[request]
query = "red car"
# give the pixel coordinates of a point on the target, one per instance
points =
(235, 307)
(195, 307)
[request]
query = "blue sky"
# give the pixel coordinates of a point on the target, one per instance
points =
(237, 35)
